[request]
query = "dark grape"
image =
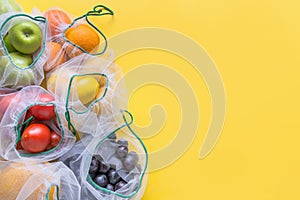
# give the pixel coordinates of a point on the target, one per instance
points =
(134, 155)
(110, 187)
(101, 180)
(94, 167)
(103, 167)
(122, 152)
(119, 185)
(123, 142)
(113, 176)
(129, 163)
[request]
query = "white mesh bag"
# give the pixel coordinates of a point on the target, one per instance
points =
(21, 62)
(93, 91)
(37, 181)
(26, 109)
(121, 157)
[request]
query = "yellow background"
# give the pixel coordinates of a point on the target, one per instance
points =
(255, 45)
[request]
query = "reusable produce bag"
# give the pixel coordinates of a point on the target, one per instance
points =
(17, 69)
(34, 181)
(17, 119)
(107, 151)
(93, 92)
(70, 37)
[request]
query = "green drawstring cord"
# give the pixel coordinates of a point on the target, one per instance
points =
(70, 125)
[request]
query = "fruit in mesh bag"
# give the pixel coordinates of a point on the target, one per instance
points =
(57, 20)
(25, 36)
(39, 130)
(84, 36)
(56, 56)
(8, 6)
(17, 76)
(106, 175)
(23, 39)
(87, 88)
(21, 60)
(10, 48)
(36, 138)
(44, 112)
(12, 179)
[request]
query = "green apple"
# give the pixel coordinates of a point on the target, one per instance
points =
(10, 48)
(16, 76)
(87, 88)
(9, 5)
(21, 60)
(26, 37)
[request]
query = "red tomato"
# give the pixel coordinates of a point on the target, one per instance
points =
(43, 112)
(36, 138)
(55, 139)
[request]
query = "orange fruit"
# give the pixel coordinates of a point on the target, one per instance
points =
(57, 19)
(102, 81)
(84, 36)
(100, 92)
(56, 56)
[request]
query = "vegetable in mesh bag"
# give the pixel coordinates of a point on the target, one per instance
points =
(93, 91)
(70, 37)
(22, 49)
(33, 181)
(112, 167)
(31, 127)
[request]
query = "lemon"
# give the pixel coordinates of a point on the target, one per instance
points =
(87, 88)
